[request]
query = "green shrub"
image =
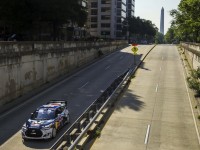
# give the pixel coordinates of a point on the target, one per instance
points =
(194, 80)
(98, 132)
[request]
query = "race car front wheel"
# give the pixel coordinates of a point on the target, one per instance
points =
(54, 132)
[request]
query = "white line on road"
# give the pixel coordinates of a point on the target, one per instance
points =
(147, 134)
(107, 67)
(157, 88)
(83, 85)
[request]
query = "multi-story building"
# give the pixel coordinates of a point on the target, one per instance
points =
(130, 8)
(106, 18)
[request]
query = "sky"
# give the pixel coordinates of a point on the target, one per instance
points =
(151, 9)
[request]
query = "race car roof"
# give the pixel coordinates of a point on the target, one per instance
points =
(54, 105)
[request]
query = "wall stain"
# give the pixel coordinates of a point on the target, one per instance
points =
(10, 86)
(51, 69)
(31, 75)
(27, 75)
(61, 64)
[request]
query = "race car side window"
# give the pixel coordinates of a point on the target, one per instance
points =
(58, 111)
(62, 108)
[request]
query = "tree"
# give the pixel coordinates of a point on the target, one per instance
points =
(159, 38)
(141, 29)
(170, 36)
(187, 20)
(36, 16)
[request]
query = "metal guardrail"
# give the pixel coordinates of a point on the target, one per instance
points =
(79, 128)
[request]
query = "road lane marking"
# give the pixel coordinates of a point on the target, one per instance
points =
(147, 134)
(107, 67)
(83, 85)
(157, 88)
(195, 124)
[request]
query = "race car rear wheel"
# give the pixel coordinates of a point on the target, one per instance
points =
(54, 132)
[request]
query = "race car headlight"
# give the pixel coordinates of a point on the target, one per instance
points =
(46, 127)
(24, 128)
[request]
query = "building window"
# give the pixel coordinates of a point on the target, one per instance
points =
(93, 19)
(93, 25)
(119, 27)
(93, 12)
(119, 20)
(105, 25)
(105, 9)
(105, 32)
(93, 4)
(105, 1)
(105, 17)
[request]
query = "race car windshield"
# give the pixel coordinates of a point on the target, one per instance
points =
(43, 114)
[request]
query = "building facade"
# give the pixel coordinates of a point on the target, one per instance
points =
(106, 18)
(130, 8)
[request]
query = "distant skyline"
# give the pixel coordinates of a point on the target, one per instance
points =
(150, 10)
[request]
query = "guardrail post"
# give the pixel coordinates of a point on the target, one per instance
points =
(78, 127)
(97, 107)
(68, 139)
(88, 116)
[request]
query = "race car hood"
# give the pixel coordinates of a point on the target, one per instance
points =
(38, 123)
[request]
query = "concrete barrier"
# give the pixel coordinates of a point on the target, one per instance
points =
(24, 66)
(192, 52)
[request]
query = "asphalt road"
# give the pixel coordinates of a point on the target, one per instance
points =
(155, 111)
(80, 89)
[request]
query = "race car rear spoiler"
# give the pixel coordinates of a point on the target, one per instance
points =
(58, 101)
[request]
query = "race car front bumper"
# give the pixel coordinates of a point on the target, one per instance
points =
(33, 133)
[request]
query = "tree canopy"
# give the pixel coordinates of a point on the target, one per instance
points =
(18, 16)
(186, 20)
(142, 29)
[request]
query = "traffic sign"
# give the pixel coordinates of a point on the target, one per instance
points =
(134, 50)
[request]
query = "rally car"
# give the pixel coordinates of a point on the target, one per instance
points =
(46, 120)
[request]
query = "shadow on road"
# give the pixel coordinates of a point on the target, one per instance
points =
(131, 101)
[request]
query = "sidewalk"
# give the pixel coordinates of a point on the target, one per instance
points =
(117, 132)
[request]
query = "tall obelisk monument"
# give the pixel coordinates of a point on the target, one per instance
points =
(162, 21)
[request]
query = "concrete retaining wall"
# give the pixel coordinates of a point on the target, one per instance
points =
(24, 66)
(192, 52)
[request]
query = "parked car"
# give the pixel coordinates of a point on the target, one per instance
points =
(46, 120)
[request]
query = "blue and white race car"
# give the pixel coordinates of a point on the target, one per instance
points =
(46, 120)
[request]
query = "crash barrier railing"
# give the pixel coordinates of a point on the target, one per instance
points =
(80, 127)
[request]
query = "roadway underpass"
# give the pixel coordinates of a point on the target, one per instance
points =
(80, 89)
